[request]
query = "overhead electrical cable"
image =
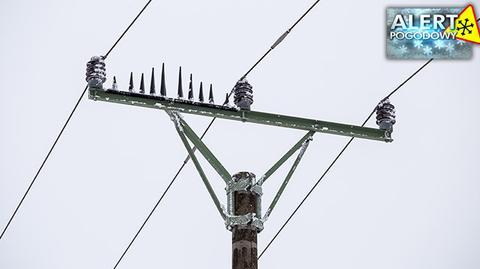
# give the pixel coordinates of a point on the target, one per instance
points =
(272, 47)
(337, 157)
(66, 123)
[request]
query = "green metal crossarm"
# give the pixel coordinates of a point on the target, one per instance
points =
(225, 112)
(205, 151)
(210, 190)
(285, 157)
(287, 178)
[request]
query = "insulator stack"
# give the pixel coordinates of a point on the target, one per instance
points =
(96, 73)
(152, 82)
(385, 115)
(243, 94)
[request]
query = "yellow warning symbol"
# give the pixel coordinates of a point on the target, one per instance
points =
(466, 26)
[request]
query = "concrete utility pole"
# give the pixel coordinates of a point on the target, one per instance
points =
(243, 214)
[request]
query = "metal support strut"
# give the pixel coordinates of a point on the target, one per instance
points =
(175, 117)
(289, 175)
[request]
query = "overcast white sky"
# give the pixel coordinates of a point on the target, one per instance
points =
(413, 203)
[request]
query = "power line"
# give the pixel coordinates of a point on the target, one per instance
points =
(280, 39)
(272, 47)
(336, 158)
(66, 123)
(43, 163)
(159, 200)
(128, 28)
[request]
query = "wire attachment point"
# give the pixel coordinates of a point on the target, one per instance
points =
(96, 73)
(243, 94)
(385, 115)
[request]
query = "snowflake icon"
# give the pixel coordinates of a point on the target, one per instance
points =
(439, 44)
(403, 49)
(418, 44)
(464, 27)
(427, 51)
(450, 47)
(461, 42)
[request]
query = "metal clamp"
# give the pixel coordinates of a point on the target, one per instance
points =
(242, 185)
(249, 219)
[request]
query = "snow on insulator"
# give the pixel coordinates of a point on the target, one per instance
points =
(96, 73)
(243, 94)
(385, 115)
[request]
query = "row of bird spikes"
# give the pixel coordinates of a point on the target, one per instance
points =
(163, 89)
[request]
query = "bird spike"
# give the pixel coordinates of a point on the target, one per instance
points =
(210, 95)
(114, 84)
(163, 87)
(200, 94)
(142, 85)
(227, 99)
(130, 86)
(180, 89)
(152, 82)
(190, 89)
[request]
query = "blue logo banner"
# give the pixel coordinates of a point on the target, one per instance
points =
(419, 33)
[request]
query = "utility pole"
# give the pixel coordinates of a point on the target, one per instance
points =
(243, 214)
(244, 236)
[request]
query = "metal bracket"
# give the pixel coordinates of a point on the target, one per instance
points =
(242, 185)
(250, 219)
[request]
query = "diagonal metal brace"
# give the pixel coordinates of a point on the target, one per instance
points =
(181, 132)
(205, 151)
(287, 179)
(285, 157)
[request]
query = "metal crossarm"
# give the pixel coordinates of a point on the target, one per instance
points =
(176, 122)
(205, 151)
(230, 113)
(288, 177)
(285, 157)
